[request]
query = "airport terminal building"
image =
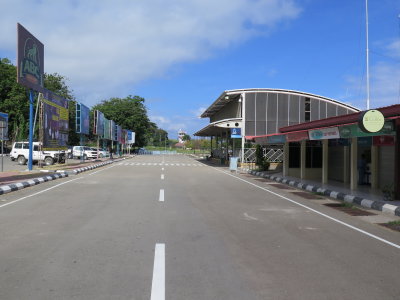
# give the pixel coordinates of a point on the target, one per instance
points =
(261, 112)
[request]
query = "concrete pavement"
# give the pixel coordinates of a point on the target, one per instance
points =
(225, 236)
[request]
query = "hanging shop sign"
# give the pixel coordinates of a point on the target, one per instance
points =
(276, 139)
(365, 141)
(354, 130)
(324, 133)
(236, 133)
(338, 143)
(297, 136)
(30, 59)
(261, 140)
(383, 140)
(371, 121)
(55, 122)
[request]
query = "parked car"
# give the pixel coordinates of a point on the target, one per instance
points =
(83, 151)
(102, 152)
(20, 152)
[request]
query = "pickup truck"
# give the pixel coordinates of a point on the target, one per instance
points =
(20, 152)
(83, 151)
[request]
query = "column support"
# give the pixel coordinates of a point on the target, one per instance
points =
(286, 159)
(325, 157)
(353, 164)
(303, 159)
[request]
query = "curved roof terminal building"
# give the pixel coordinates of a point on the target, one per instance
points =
(260, 112)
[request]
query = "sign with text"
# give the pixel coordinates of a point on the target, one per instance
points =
(30, 60)
(354, 130)
(236, 133)
(55, 122)
(297, 136)
(3, 126)
(324, 133)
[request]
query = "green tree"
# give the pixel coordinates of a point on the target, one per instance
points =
(131, 114)
(14, 100)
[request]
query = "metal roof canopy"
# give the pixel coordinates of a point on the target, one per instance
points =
(213, 129)
(231, 95)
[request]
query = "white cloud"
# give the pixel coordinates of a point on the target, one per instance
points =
(105, 47)
(384, 86)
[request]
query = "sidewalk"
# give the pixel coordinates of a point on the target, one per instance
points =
(364, 196)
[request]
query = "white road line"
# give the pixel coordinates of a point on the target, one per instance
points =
(161, 197)
(316, 211)
(40, 192)
(162, 169)
(158, 283)
(162, 176)
(53, 187)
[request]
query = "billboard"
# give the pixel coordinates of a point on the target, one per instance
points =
(130, 139)
(118, 136)
(30, 60)
(98, 126)
(82, 118)
(112, 130)
(55, 121)
(107, 128)
(3, 126)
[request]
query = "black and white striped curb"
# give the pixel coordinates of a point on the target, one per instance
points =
(4, 189)
(80, 170)
(377, 205)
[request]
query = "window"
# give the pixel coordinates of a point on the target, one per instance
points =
(294, 155)
(314, 154)
(18, 146)
(307, 109)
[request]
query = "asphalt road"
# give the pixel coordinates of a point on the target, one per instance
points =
(156, 226)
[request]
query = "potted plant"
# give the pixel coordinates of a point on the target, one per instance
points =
(388, 192)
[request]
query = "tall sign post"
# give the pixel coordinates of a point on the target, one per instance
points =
(4, 134)
(30, 72)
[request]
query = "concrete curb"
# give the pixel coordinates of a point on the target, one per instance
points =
(4, 189)
(377, 205)
(80, 170)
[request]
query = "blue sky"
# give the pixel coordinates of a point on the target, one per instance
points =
(181, 55)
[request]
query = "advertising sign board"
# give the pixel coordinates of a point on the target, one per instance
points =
(82, 118)
(130, 137)
(354, 130)
(297, 136)
(276, 139)
(324, 133)
(118, 133)
(98, 126)
(383, 140)
(55, 122)
(3, 126)
(30, 59)
(112, 130)
(107, 133)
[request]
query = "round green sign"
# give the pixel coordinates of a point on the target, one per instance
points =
(371, 121)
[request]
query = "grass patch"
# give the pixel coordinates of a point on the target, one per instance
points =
(394, 223)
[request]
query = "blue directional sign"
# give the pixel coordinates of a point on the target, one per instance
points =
(236, 133)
